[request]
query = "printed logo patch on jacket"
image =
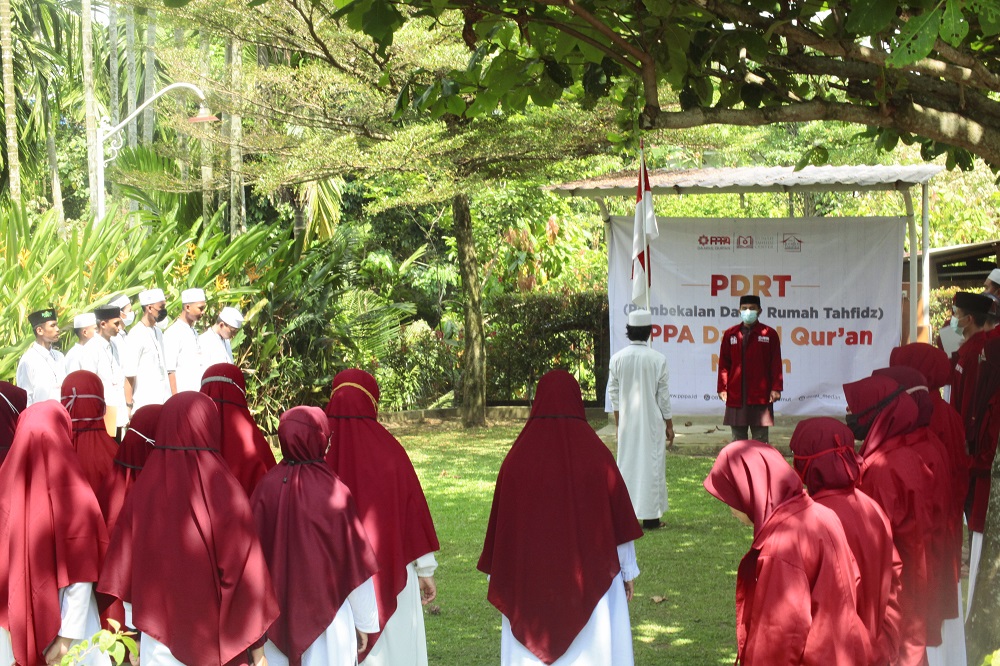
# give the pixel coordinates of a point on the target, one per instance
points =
(763, 338)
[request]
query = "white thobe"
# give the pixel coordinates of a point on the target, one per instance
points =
(100, 357)
(403, 641)
(41, 372)
(638, 386)
(80, 621)
(951, 652)
(606, 639)
(338, 645)
(215, 349)
(143, 360)
(72, 359)
(182, 356)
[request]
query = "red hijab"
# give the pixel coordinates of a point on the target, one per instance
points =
(380, 476)
(83, 398)
(916, 385)
(753, 478)
(129, 460)
(211, 599)
(884, 405)
(243, 446)
(930, 361)
(824, 454)
(560, 509)
(315, 545)
(13, 401)
(51, 529)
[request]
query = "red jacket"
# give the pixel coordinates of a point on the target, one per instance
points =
(760, 367)
(965, 378)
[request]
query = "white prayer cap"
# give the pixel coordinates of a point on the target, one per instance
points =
(640, 318)
(994, 276)
(84, 320)
(121, 301)
(193, 296)
(151, 296)
(232, 317)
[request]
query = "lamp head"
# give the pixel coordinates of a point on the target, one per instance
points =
(204, 116)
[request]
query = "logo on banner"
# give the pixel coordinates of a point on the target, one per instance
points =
(715, 242)
(744, 242)
(792, 243)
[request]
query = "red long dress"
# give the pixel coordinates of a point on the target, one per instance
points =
(385, 487)
(946, 423)
(826, 462)
(185, 552)
(796, 590)
(560, 509)
(894, 476)
(940, 550)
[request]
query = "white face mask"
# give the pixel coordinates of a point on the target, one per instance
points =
(128, 318)
(954, 325)
(749, 317)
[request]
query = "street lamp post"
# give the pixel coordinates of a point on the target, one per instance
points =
(105, 132)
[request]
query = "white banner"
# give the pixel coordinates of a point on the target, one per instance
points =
(831, 287)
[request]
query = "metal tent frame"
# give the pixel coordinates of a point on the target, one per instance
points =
(750, 180)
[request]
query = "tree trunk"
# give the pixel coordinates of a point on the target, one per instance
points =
(474, 359)
(182, 141)
(130, 93)
(207, 149)
(237, 198)
(114, 103)
(50, 150)
(89, 102)
(149, 89)
(10, 102)
(982, 630)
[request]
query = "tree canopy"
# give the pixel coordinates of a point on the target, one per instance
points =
(920, 71)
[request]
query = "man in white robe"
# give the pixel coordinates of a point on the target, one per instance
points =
(216, 345)
(42, 369)
(182, 351)
(124, 303)
(640, 396)
(85, 327)
(143, 361)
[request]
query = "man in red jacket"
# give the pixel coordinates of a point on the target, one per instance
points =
(750, 373)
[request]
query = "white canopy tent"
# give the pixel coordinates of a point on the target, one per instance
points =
(749, 180)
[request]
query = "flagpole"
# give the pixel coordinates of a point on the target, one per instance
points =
(647, 273)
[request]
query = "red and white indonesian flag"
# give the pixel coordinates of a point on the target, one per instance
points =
(643, 233)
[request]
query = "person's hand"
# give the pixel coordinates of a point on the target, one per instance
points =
(670, 434)
(775, 396)
(428, 589)
(723, 395)
(362, 641)
(57, 650)
(257, 656)
(629, 589)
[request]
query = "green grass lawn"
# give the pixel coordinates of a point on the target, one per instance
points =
(683, 610)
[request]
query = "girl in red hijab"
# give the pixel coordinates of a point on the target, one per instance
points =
(128, 462)
(984, 449)
(559, 546)
(796, 599)
(53, 541)
(83, 398)
(185, 556)
(826, 463)
(892, 473)
(13, 401)
(394, 512)
(316, 548)
(243, 446)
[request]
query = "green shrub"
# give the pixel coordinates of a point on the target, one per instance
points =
(419, 370)
(941, 307)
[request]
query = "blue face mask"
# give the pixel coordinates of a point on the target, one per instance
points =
(954, 325)
(749, 317)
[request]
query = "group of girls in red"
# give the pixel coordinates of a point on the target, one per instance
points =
(861, 566)
(191, 535)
